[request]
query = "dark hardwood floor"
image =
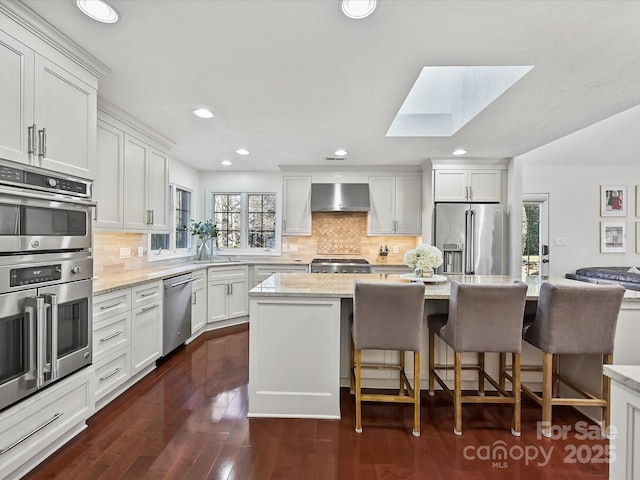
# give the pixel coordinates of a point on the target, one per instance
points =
(188, 420)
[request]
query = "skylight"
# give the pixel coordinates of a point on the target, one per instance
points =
(444, 99)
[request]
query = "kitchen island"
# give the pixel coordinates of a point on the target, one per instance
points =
(299, 339)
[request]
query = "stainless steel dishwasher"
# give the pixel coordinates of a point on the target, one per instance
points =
(176, 316)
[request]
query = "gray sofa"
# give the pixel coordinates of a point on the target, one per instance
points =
(608, 275)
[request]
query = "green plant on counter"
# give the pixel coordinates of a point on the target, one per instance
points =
(205, 231)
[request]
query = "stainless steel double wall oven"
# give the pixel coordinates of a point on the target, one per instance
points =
(46, 271)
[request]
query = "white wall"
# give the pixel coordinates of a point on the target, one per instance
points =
(571, 170)
(187, 177)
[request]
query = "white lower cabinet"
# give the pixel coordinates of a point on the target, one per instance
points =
(227, 293)
(38, 426)
(127, 337)
(198, 301)
(146, 325)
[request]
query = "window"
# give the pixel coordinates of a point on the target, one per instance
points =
(245, 220)
(178, 242)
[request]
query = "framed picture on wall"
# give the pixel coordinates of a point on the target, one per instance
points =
(613, 200)
(613, 237)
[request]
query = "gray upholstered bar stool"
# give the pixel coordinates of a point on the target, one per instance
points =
(388, 316)
(572, 319)
(481, 318)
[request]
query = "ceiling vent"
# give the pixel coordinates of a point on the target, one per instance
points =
(334, 159)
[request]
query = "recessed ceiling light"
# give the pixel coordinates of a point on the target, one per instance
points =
(242, 151)
(203, 113)
(226, 163)
(358, 9)
(340, 152)
(459, 151)
(98, 10)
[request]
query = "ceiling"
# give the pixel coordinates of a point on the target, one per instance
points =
(292, 81)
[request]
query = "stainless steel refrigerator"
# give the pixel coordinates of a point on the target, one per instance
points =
(471, 237)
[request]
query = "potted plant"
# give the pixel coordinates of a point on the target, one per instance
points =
(205, 231)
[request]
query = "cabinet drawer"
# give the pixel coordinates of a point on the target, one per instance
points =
(112, 372)
(146, 293)
(217, 273)
(110, 335)
(199, 278)
(39, 421)
(112, 303)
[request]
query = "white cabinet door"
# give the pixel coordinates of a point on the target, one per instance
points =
(198, 306)
(146, 328)
(158, 189)
(16, 98)
(108, 186)
(296, 205)
(450, 186)
(408, 205)
(466, 185)
(382, 197)
(485, 185)
(238, 298)
(136, 153)
(67, 108)
(217, 301)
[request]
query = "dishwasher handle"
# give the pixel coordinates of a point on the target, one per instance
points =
(177, 284)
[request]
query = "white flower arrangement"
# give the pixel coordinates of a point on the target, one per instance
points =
(425, 257)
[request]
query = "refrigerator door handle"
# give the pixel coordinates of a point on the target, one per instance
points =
(469, 246)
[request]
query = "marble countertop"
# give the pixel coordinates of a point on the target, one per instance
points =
(628, 375)
(327, 285)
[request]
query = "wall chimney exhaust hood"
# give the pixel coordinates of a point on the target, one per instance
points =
(339, 197)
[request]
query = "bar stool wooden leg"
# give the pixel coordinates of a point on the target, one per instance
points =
(480, 372)
(606, 396)
(556, 371)
(402, 389)
(358, 355)
(352, 375)
(502, 370)
(515, 374)
(431, 362)
(547, 379)
(416, 394)
(457, 394)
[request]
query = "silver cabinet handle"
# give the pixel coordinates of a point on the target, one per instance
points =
(143, 295)
(152, 222)
(194, 298)
(113, 335)
(42, 135)
(31, 139)
(109, 375)
(145, 309)
(470, 193)
(32, 433)
(231, 289)
(106, 307)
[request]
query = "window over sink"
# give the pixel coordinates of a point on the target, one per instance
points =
(246, 221)
(178, 242)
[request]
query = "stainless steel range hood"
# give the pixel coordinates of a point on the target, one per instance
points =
(340, 197)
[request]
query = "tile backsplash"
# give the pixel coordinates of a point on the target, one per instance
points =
(332, 235)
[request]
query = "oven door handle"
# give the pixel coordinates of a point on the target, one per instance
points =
(31, 310)
(53, 304)
(41, 317)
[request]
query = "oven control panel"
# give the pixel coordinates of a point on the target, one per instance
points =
(33, 275)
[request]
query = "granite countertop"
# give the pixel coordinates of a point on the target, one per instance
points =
(325, 285)
(628, 375)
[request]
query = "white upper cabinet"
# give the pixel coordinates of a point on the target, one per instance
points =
(16, 99)
(132, 190)
(108, 188)
(296, 206)
(65, 118)
(48, 102)
(468, 185)
(396, 205)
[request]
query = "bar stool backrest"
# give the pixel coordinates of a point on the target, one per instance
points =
(388, 316)
(576, 319)
(486, 317)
